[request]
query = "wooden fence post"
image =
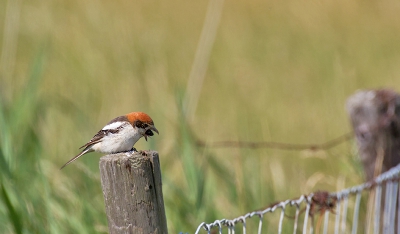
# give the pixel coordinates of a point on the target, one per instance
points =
(132, 190)
(375, 117)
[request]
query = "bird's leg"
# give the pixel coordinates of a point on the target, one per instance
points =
(144, 152)
(133, 150)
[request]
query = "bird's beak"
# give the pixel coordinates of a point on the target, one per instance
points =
(154, 129)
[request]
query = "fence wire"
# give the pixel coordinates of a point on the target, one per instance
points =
(372, 207)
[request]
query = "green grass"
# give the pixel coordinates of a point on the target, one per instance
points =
(278, 71)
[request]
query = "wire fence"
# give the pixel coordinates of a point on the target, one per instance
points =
(372, 207)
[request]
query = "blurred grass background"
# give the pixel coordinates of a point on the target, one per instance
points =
(277, 70)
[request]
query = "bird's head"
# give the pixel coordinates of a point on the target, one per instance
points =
(143, 123)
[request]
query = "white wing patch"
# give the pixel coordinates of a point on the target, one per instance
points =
(114, 125)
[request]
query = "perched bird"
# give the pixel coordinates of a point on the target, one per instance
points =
(119, 135)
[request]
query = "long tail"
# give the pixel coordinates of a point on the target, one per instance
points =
(85, 151)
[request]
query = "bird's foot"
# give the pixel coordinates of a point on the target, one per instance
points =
(133, 150)
(144, 152)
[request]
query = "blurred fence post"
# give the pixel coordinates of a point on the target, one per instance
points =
(132, 190)
(375, 116)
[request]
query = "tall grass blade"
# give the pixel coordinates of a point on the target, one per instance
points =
(13, 214)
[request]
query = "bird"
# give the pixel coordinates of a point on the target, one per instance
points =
(119, 135)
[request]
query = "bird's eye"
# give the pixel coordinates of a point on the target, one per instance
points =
(145, 125)
(139, 124)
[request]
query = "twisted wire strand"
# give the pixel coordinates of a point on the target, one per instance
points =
(314, 200)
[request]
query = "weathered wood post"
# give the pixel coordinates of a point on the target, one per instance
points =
(132, 190)
(375, 116)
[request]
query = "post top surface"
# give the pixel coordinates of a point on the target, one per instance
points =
(129, 155)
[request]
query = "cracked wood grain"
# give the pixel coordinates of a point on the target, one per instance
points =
(132, 191)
